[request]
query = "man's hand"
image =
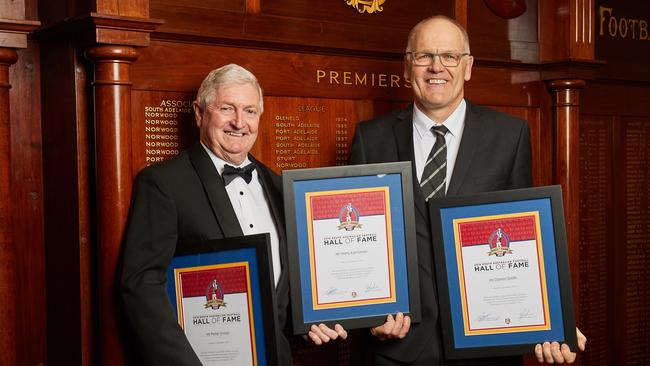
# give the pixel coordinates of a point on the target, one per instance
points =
(393, 328)
(321, 333)
(554, 353)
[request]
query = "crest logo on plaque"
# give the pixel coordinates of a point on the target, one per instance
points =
(499, 243)
(349, 218)
(367, 6)
(214, 296)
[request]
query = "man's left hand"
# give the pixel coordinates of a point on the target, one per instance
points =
(552, 352)
(320, 334)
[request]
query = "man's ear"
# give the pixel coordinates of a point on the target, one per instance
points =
(198, 113)
(468, 68)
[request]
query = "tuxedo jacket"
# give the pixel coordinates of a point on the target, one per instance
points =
(494, 154)
(176, 204)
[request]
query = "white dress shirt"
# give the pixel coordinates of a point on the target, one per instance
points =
(423, 138)
(251, 207)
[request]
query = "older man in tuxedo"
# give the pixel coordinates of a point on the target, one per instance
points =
(456, 148)
(215, 189)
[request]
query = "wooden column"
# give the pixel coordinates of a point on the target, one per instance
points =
(112, 107)
(566, 114)
(8, 57)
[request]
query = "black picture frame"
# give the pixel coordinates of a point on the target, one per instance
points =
(393, 181)
(254, 252)
(460, 225)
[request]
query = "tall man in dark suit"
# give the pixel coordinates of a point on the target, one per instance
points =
(213, 190)
(457, 148)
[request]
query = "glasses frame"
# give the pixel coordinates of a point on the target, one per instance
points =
(460, 56)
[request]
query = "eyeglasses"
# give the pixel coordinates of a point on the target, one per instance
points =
(448, 59)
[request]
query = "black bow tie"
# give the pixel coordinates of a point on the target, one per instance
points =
(230, 173)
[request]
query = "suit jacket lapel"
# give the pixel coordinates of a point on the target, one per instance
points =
(216, 191)
(469, 141)
(403, 132)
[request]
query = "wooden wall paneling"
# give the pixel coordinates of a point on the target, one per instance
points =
(27, 206)
(634, 259)
(566, 30)
(555, 30)
(180, 67)
(460, 12)
(546, 139)
(296, 132)
(566, 105)
(51, 12)
(253, 6)
(68, 233)
(297, 24)
(236, 6)
(111, 184)
(12, 9)
(162, 125)
(8, 274)
(112, 109)
(621, 36)
(13, 35)
(87, 205)
(308, 132)
(617, 258)
(616, 98)
(503, 85)
(401, 14)
(597, 218)
(617, 108)
(582, 26)
(125, 8)
(494, 37)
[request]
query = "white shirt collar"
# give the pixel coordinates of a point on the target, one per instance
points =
(454, 122)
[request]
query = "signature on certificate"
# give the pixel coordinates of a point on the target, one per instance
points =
(526, 314)
(333, 291)
(371, 287)
(487, 317)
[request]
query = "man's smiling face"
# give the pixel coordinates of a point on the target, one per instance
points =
(229, 123)
(438, 89)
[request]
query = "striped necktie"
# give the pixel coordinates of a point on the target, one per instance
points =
(435, 168)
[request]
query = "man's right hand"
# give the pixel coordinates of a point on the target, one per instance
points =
(393, 328)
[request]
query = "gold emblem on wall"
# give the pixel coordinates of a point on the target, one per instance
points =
(366, 6)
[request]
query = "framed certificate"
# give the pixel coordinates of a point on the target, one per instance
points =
(502, 272)
(224, 297)
(351, 245)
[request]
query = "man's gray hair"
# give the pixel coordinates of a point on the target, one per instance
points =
(228, 74)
